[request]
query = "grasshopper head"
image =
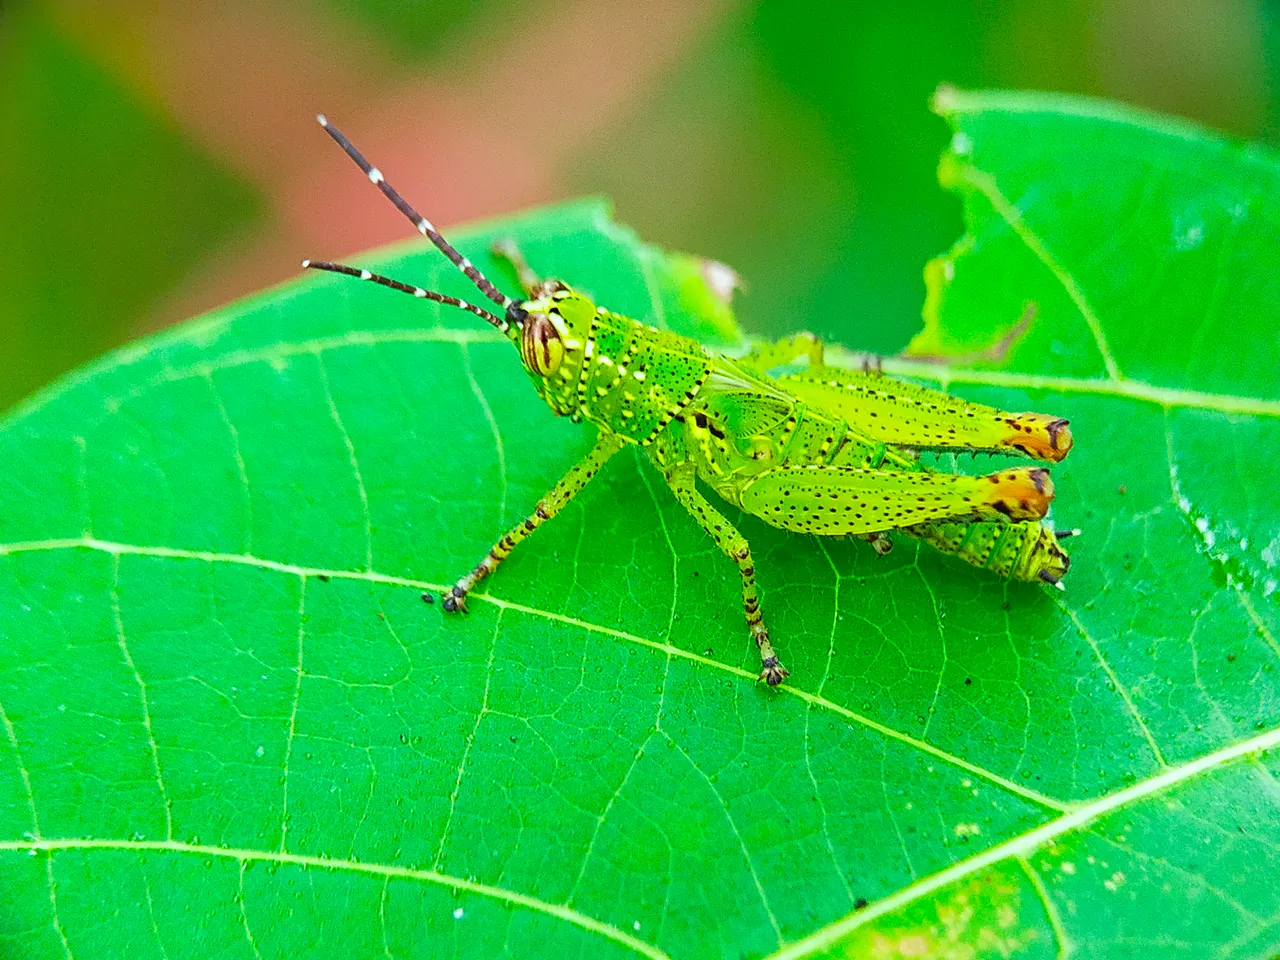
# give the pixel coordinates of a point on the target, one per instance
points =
(551, 329)
(553, 335)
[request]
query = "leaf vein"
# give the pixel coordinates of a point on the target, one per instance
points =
(123, 644)
(1126, 389)
(1115, 681)
(493, 427)
(175, 553)
(293, 712)
(238, 455)
(1065, 947)
(390, 871)
(733, 827)
(986, 184)
(466, 750)
(1027, 842)
(352, 458)
(244, 916)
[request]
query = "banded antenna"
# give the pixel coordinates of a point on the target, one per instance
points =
(511, 309)
(413, 291)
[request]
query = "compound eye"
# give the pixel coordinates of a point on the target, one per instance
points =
(541, 348)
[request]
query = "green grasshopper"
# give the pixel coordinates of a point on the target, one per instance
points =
(825, 451)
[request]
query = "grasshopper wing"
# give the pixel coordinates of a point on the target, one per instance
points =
(837, 501)
(911, 416)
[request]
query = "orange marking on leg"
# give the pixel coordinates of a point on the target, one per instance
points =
(1021, 494)
(1039, 436)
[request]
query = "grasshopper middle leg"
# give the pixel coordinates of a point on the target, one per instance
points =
(570, 485)
(681, 480)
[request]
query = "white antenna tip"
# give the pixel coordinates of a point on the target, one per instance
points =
(1061, 586)
(306, 264)
(322, 120)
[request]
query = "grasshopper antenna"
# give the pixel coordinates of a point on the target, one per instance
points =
(413, 291)
(423, 225)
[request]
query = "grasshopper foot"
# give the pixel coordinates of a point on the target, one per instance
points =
(455, 601)
(774, 672)
(880, 542)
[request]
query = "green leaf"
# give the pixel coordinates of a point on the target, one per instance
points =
(232, 727)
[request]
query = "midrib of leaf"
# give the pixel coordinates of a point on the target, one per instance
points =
(940, 373)
(1124, 388)
(173, 553)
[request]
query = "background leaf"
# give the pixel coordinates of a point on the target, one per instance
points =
(234, 729)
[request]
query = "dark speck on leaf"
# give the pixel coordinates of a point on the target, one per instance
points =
(1005, 605)
(382, 616)
(860, 903)
(1120, 489)
(428, 598)
(1231, 658)
(709, 652)
(404, 738)
(513, 739)
(968, 681)
(323, 578)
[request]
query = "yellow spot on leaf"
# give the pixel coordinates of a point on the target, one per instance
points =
(978, 919)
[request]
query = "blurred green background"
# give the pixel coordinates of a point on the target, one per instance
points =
(159, 158)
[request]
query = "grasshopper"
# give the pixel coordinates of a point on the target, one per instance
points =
(824, 451)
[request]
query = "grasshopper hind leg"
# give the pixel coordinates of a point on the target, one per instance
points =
(681, 480)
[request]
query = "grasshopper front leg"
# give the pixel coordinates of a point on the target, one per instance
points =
(681, 479)
(531, 283)
(570, 485)
(506, 249)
